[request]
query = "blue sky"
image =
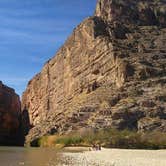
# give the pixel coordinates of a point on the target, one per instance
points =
(31, 31)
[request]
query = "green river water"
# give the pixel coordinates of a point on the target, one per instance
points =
(15, 156)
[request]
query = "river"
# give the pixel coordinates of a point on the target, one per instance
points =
(16, 156)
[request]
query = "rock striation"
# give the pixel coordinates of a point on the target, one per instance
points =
(111, 72)
(10, 117)
(141, 12)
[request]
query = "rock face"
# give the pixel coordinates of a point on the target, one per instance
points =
(10, 117)
(111, 72)
(141, 12)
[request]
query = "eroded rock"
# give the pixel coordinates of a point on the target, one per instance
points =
(113, 63)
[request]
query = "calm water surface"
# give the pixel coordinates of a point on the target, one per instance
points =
(14, 156)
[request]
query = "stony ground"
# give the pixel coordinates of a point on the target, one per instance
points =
(116, 157)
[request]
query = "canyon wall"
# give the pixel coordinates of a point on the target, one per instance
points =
(10, 117)
(111, 72)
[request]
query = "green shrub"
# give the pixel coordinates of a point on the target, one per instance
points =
(69, 140)
(108, 138)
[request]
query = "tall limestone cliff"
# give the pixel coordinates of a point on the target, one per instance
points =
(10, 117)
(111, 72)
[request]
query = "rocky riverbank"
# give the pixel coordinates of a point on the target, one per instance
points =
(115, 157)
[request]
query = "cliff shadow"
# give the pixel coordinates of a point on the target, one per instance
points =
(13, 128)
(25, 120)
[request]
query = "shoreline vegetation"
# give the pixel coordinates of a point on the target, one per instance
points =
(107, 138)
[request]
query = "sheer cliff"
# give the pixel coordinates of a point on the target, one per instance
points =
(10, 117)
(111, 72)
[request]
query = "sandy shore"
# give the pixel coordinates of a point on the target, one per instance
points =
(116, 157)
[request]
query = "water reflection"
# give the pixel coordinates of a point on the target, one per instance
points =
(27, 156)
